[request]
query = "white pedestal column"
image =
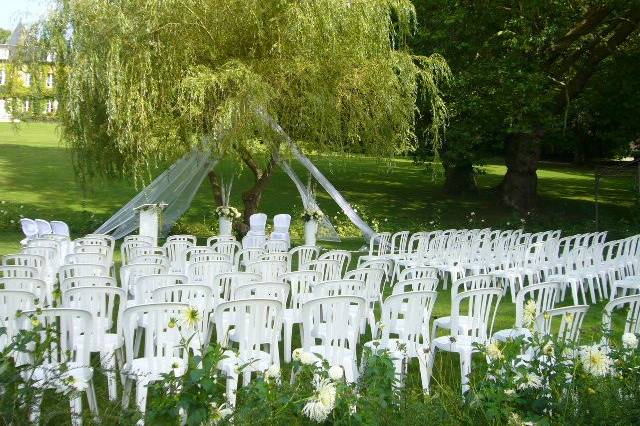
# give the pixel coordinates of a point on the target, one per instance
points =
(150, 220)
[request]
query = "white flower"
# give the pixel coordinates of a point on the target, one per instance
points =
(336, 373)
(307, 358)
(297, 354)
(529, 314)
(548, 349)
(191, 317)
(272, 372)
(629, 341)
(493, 352)
(529, 381)
(595, 361)
(510, 392)
(316, 411)
(218, 413)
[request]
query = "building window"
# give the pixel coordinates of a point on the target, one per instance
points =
(26, 77)
(3, 76)
(50, 106)
(50, 80)
(27, 105)
(4, 53)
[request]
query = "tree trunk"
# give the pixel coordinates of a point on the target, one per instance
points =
(252, 197)
(215, 187)
(459, 179)
(518, 188)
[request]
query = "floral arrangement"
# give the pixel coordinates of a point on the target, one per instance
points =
(309, 215)
(228, 212)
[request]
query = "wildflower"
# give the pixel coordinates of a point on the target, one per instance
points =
(629, 341)
(322, 403)
(316, 411)
(272, 373)
(510, 392)
(529, 381)
(13, 221)
(514, 420)
(493, 352)
(191, 317)
(35, 322)
(77, 385)
(297, 354)
(594, 361)
(473, 213)
(217, 413)
(569, 319)
(336, 373)
(548, 349)
(307, 358)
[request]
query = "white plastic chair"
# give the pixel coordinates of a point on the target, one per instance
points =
(256, 323)
(481, 307)
(191, 239)
(246, 256)
(301, 256)
(106, 305)
(60, 228)
(206, 271)
(163, 352)
(544, 296)
(71, 347)
(373, 279)
(44, 227)
(339, 322)
(406, 316)
(131, 272)
(226, 284)
(51, 261)
(269, 270)
(81, 270)
(146, 285)
(570, 324)
(229, 248)
(281, 224)
(300, 287)
(87, 281)
(255, 237)
(175, 250)
(128, 245)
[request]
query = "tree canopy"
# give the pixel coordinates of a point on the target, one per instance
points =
(143, 82)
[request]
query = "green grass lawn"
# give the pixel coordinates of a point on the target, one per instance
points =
(37, 180)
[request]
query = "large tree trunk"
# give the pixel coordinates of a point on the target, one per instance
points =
(518, 188)
(252, 197)
(459, 179)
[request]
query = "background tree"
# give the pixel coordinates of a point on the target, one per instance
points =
(4, 35)
(143, 83)
(522, 70)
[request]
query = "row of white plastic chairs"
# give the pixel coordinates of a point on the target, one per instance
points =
(33, 228)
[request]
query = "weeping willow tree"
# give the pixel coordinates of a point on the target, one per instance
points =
(142, 83)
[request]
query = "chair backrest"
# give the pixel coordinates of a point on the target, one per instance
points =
(148, 255)
(229, 248)
(106, 237)
(280, 256)
(373, 279)
(400, 242)
(50, 254)
(35, 286)
(29, 227)
(12, 271)
(342, 256)
(300, 286)
(71, 342)
(257, 223)
(473, 282)
(102, 249)
(281, 222)
(145, 285)
(139, 238)
(11, 303)
(246, 256)
(160, 340)
(301, 256)
(269, 270)
(345, 287)
(227, 283)
(255, 321)
(416, 284)
(544, 295)
(418, 272)
(23, 259)
(130, 273)
(568, 329)
(632, 321)
(407, 316)
(380, 263)
(105, 303)
(59, 228)
(206, 271)
(44, 227)
(190, 239)
(88, 281)
(128, 245)
(277, 291)
(197, 296)
(276, 246)
(175, 250)
(380, 244)
(207, 257)
(86, 258)
(81, 270)
(481, 308)
(340, 316)
(329, 269)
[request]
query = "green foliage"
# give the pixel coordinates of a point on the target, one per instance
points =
(4, 35)
(142, 84)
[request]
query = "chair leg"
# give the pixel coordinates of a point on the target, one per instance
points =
(288, 331)
(426, 380)
(76, 410)
(232, 386)
(34, 410)
(465, 370)
(109, 365)
(423, 362)
(126, 392)
(141, 396)
(93, 401)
